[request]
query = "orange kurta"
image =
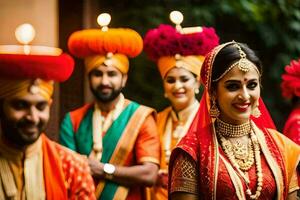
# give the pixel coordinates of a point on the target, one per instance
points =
(145, 143)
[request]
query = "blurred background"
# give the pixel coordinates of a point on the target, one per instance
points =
(271, 28)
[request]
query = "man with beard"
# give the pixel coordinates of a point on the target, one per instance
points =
(118, 135)
(31, 165)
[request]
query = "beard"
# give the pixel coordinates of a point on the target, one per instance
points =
(106, 97)
(17, 132)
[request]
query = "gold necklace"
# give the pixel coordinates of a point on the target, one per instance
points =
(229, 153)
(232, 131)
(241, 153)
(240, 150)
(244, 160)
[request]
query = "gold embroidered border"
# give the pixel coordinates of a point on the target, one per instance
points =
(125, 146)
(270, 160)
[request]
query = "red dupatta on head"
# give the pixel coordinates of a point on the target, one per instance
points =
(201, 143)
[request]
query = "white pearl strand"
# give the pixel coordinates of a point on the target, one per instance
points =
(259, 174)
(258, 169)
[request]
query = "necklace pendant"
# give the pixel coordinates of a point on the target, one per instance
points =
(240, 150)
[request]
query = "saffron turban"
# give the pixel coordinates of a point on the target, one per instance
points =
(111, 47)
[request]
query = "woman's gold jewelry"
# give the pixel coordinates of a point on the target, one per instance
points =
(214, 111)
(242, 151)
(259, 173)
(242, 155)
(230, 130)
(196, 91)
(243, 63)
(241, 164)
(256, 112)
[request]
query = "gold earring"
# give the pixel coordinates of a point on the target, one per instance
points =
(256, 112)
(214, 111)
(165, 95)
(196, 90)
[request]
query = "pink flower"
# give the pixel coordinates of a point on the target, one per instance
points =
(167, 41)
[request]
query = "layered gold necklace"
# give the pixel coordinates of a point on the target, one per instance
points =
(240, 155)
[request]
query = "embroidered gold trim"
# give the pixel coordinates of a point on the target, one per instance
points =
(184, 175)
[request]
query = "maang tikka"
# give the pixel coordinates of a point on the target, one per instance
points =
(243, 63)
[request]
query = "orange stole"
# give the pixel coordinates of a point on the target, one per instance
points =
(161, 124)
(159, 193)
(125, 147)
(53, 174)
(290, 152)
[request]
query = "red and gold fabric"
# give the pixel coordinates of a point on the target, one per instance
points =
(65, 175)
(200, 143)
(273, 177)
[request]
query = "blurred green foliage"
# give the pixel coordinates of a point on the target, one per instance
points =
(271, 28)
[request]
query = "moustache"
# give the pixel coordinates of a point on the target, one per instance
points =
(101, 87)
(27, 123)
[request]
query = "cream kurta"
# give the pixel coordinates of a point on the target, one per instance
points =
(22, 173)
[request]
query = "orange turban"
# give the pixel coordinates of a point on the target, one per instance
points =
(118, 60)
(111, 47)
(190, 63)
(19, 88)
